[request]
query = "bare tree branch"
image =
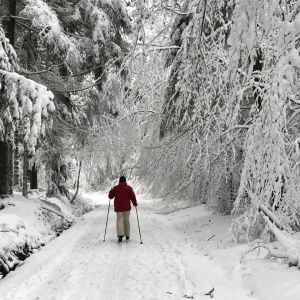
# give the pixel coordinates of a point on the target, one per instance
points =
(22, 2)
(25, 26)
(25, 72)
(175, 11)
(20, 18)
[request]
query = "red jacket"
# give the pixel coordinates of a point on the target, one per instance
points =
(123, 194)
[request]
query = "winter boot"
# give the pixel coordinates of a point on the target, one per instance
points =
(127, 238)
(120, 238)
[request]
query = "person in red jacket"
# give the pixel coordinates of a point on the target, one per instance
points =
(123, 194)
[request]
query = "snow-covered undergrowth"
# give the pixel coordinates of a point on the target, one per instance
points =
(28, 224)
(259, 274)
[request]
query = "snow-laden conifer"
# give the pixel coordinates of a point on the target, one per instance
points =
(50, 31)
(25, 103)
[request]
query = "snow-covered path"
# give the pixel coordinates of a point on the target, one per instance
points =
(79, 265)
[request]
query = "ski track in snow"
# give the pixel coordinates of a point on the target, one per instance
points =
(79, 265)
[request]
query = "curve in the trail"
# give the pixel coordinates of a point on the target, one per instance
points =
(79, 265)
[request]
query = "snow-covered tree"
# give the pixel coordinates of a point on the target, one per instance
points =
(231, 106)
(78, 35)
(193, 129)
(270, 30)
(68, 46)
(24, 103)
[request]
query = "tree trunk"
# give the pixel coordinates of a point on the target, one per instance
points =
(257, 67)
(5, 169)
(8, 8)
(78, 178)
(25, 173)
(16, 162)
(34, 178)
(57, 176)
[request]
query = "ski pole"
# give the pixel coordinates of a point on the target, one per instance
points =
(137, 217)
(106, 220)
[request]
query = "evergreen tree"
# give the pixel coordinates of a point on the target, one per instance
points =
(25, 105)
(65, 45)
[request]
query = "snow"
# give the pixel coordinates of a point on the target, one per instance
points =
(11, 222)
(185, 254)
(34, 102)
(209, 233)
(285, 280)
(28, 224)
(21, 223)
(45, 20)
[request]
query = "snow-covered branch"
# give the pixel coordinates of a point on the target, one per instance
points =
(46, 22)
(26, 102)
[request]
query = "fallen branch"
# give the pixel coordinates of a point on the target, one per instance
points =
(211, 237)
(272, 252)
(290, 245)
(57, 213)
(5, 229)
(210, 293)
(271, 216)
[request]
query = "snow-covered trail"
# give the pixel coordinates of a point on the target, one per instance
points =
(79, 265)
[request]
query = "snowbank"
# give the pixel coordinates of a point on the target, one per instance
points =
(28, 224)
(209, 233)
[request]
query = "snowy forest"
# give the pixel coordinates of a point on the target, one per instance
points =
(196, 102)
